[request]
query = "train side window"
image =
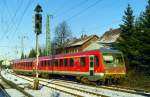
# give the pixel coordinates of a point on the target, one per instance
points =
(49, 62)
(56, 62)
(71, 62)
(66, 62)
(46, 63)
(53, 62)
(41, 63)
(82, 61)
(29, 64)
(61, 62)
(96, 61)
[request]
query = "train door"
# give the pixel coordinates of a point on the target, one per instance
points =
(91, 65)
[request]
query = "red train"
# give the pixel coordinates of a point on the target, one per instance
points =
(97, 65)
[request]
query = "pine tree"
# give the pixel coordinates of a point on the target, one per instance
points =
(126, 40)
(32, 53)
(143, 36)
(40, 52)
(22, 55)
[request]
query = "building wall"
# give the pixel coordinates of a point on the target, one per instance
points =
(94, 39)
(79, 48)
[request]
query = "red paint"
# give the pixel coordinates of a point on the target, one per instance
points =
(22, 64)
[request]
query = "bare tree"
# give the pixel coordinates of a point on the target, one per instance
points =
(62, 34)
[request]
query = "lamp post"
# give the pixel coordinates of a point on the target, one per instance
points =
(38, 30)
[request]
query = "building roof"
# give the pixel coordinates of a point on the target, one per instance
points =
(110, 36)
(81, 41)
(93, 46)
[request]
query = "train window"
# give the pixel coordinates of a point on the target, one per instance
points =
(41, 63)
(96, 61)
(71, 62)
(53, 62)
(82, 61)
(66, 62)
(61, 62)
(29, 64)
(49, 62)
(46, 62)
(56, 62)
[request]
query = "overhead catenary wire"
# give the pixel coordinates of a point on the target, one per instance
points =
(23, 14)
(73, 7)
(11, 22)
(84, 10)
(19, 22)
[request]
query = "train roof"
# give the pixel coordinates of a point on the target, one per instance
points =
(24, 60)
(85, 53)
(109, 50)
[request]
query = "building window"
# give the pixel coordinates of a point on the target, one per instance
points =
(82, 61)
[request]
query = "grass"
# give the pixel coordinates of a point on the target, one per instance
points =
(137, 80)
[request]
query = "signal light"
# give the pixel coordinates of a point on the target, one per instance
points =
(38, 23)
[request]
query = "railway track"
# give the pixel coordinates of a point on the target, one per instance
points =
(94, 90)
(111, 87)
(75, 91)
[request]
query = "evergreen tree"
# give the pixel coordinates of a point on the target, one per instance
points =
(143, 36)
(32, 53)
(40, 52)
(22, 55)
(126, 40)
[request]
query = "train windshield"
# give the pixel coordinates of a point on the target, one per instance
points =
(113, 59)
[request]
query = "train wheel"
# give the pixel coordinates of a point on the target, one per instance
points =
(100, 82)
(106, 82)
(85, 80)
(78, 79)
(117, 81)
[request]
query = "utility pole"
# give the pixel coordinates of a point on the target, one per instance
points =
(48, 37)
(38, 30)
(22, 43)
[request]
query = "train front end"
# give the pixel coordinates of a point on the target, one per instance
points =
(114, 65)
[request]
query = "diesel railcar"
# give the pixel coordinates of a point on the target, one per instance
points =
(97, 65)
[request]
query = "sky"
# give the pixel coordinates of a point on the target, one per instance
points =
(83, 17)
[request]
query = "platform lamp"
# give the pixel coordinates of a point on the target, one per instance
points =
(38, 30)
